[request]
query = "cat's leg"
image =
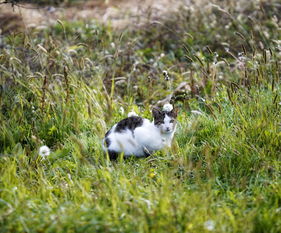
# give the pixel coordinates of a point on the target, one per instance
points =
(169, 143)
(170, 139)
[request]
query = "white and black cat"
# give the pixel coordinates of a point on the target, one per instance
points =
(137, 136)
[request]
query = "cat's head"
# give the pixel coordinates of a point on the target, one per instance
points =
(165, 119)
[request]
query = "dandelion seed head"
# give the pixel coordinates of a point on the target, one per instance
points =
(167, 107)
(44, 151)
(209, 225)
(112, 44)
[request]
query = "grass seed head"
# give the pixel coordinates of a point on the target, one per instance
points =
(166, 75)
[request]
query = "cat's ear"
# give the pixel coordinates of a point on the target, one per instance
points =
(174, 112)
(156, 112)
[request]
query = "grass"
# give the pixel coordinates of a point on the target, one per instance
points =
(64, 86)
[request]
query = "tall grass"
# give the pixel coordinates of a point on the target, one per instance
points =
(66, 85)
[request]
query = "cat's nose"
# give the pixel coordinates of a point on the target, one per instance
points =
(168, 129)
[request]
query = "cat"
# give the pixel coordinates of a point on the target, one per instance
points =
(137, 136)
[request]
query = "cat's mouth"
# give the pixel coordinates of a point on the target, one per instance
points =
(167, 131)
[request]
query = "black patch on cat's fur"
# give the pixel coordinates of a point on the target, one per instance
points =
(107, 133)
(107, 142)
(158, 116)
(172, 114)
(129, 123)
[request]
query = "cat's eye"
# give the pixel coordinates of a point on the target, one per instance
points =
(172, 121)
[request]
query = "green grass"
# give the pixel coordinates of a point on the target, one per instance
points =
(224, 166)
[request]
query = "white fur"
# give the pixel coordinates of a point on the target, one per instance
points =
(132, 113)
(168, 126)
(147, 137)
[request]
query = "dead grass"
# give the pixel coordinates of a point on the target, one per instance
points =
(120, 14)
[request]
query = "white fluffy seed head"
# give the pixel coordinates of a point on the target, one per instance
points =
(209, 225)
(167, 107)
(44, 151)
(121, 110)
(196, 112)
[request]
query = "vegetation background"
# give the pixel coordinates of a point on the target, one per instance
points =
(63, 85)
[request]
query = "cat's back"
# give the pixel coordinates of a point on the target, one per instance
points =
(121, 137)
(130, 123)
(124, 129)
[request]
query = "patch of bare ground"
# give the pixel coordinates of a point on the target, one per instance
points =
(119, 13)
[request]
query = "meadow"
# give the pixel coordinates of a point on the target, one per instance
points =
(65, 85)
